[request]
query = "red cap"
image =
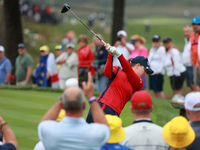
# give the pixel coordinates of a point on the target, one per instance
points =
(141, 97)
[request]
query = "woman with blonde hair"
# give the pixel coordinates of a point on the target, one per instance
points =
(140, 50)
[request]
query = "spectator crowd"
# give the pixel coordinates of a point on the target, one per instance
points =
(120, 72)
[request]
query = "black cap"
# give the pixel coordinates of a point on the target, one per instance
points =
(167, 39)
(156, 37)
(144, 62)
(21, 45)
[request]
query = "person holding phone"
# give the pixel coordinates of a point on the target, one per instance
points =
(122, 83)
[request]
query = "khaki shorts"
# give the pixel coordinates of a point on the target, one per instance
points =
(196, 76)
(24, 83)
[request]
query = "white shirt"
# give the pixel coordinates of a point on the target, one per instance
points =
(72, 134)
(144, 136)
(173, 63)
(69, 69)
(123, 50)
(157, 59)
(186, 55)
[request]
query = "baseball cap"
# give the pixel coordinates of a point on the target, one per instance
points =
(2, 49)
(178, 133)
(70, 45)
(167, 39)
(144, 62)
(191, 99)
(59, 47)
(121, 32)
(156, 37)
(21, 45)
(44, 48)
(141, 97)
(71, 82)
(117, 132)
(195, 20)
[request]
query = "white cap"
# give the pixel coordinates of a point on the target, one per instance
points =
(72, 82)
(70, 45)
(191, 99)
(121, 32)
(1, 48)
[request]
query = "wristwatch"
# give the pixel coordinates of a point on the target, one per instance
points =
(93, 98)
(3, 123)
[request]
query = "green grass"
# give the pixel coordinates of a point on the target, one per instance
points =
(23, 109)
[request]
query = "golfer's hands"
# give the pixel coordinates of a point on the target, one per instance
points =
(88, 87)
(112, 50)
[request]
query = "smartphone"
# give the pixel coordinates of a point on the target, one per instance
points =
(82, 75)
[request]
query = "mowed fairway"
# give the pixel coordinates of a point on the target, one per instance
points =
(23, 109)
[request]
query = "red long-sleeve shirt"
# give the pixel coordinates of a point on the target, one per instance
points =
(121, 84)
(86, 58)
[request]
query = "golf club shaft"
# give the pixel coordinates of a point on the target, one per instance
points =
(87, 27)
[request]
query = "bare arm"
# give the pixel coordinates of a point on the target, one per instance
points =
(53, 112)
(8, 134)
(8, 74)
(62, 61)
(28, 74)
(97, 113)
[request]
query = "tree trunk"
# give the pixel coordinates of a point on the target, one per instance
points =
(118, 18)
(13, 29)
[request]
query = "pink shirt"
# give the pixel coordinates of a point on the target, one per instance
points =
(140, 52)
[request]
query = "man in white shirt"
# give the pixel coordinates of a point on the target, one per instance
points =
(186, 58)
(143, 134)
(73, 132)
(69, 65)
(123, 47)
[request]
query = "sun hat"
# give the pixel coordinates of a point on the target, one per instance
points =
(21, 45)
(71, 82)
(117, 132)
(142, 61)
(70, 45)
(121, 32)
(136, 37)
(156, 37)
(195, 20)
(44, 48)
(178, 133)
(2, 49)
(59, 47)
(192, 99)
(141, 97)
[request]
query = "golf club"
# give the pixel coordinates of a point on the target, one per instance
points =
(66, 7)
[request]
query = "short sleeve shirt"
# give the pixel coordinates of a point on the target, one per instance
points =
(5, 67)
(22, 63)
(72, 133)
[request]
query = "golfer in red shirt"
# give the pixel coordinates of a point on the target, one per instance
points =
(122, 83)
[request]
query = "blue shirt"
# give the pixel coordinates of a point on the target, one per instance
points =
(5, 66)
(115, 147)
(7, 146)
(72, 134)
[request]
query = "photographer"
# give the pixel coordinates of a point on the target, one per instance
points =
(9, 136)
(123, 47)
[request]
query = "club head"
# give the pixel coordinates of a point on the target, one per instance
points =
(65, 8)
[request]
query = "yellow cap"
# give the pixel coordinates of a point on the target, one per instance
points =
(117, 132)
(178, 133)
(44, 48)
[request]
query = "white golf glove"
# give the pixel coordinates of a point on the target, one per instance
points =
(113, 50)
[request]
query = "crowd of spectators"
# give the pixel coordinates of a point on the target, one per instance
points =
(102, 131)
